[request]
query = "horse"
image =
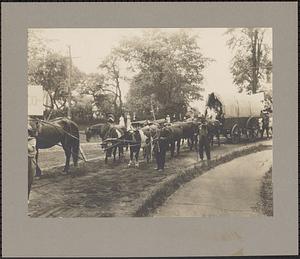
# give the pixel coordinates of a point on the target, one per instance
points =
(109, 133)
(55, 132)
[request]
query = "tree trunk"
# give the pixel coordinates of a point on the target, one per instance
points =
(254, 62)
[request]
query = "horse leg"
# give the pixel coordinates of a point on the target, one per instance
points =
(178, 146)
(172, 148)
(137, 157)
(131, 156)
(106, 158)
(75, 152)
(192, 142)
(114, 153)
(196, 143)
(67, 150)
(218, 137)
(120, 151)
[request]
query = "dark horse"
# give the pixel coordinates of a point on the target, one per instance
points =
(113, 137)
(54, 132)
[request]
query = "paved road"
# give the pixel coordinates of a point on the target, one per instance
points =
(228, 189)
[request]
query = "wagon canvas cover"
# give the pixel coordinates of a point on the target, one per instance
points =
(242, 105)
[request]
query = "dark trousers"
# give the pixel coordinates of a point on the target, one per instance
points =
(160, 156)
(263, 131)
(204, 145)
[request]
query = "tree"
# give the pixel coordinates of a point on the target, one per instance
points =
(251, 63)
(111, 70)
(167, 66)
(36, 53)
(51, 70)
(95, 85)
(52, 73)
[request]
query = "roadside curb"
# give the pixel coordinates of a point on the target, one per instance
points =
(157, 197)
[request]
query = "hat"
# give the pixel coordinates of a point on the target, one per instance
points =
(110, 119)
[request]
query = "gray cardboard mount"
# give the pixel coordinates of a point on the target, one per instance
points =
(24, 236)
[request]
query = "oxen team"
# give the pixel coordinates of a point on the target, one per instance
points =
(152, 138)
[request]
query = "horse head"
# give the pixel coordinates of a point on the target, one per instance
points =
(34, 127)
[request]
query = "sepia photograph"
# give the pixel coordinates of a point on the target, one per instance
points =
(150, 122)
(148, 128)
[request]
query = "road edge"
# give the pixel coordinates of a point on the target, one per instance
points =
(159, 195)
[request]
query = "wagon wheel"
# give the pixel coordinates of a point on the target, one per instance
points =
(235, 134)
(252, 130)
(252, 134)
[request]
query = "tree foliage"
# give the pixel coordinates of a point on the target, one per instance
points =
(36, 53)
(251, 63)
(103, 95)
(50, 70)
(168, 67)
(110, 69)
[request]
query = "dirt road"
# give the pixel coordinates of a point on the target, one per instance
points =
(229, 189)
(99, 190)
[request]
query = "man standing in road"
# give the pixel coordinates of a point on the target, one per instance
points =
(265, 124)
(160, 149)
(204, 141)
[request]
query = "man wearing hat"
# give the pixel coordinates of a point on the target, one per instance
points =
(160, 149)
(204, 140)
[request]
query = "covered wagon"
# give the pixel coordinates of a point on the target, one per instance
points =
(239, 115)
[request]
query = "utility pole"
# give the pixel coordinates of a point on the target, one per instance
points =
(69, 83)
(152, 108)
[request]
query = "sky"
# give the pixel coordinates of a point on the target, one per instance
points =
(90, 45)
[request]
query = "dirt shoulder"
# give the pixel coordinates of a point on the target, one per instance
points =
(99, 190)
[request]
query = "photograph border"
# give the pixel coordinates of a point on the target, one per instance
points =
(194, 236)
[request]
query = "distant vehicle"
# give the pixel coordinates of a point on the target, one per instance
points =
(238, 115)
